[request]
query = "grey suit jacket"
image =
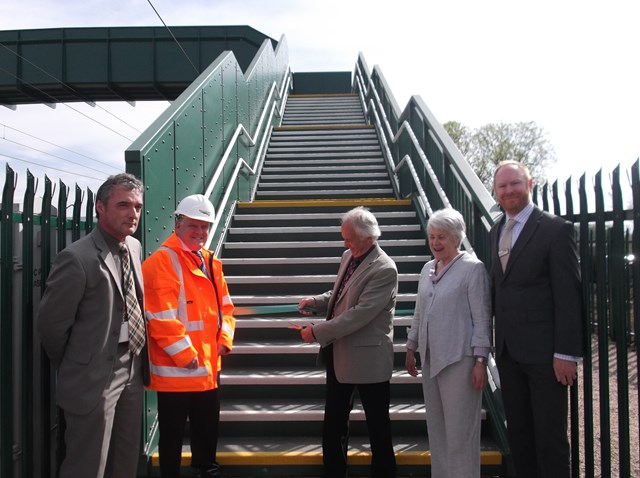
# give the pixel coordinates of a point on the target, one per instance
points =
(537, 300)
(80, 316)
(361, 330)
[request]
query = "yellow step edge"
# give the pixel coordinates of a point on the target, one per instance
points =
(324, 202)
(247, 458)
(321, 127)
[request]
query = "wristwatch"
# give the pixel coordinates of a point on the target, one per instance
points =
(481, 360)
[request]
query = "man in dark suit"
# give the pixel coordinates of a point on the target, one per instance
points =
(94, 337)
(537, 302)
(357, 345)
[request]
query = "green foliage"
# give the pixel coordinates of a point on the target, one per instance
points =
(492, 143)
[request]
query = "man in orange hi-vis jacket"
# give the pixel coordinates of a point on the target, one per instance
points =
(190, 326)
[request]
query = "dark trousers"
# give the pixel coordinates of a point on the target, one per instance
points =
(203, 411)
(375, 399)
(536, 408)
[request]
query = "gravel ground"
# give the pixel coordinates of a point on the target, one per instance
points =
(634, 426)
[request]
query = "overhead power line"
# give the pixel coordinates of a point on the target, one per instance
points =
(174, 38)
(65, 104)
(56, 146)
(54, 156)
(75, 173)
(68, 86)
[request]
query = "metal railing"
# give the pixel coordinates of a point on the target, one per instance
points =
(270, 110)
(195, 145)
(417, 187)
(610, 267)
(29, 241)
(439, 175)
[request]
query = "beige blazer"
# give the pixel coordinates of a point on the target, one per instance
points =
(79, 318)
(362, 328)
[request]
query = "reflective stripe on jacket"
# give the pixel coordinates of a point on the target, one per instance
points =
(182, 318)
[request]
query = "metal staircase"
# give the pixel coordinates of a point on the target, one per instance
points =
(285, 245)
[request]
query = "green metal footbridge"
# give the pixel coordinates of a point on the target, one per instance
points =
(281, 154)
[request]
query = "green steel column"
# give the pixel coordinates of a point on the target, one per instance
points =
(586, 270)
(619, 287)
(603, 329)
(635, 188)
(6, 328)
(27, 459)
(46, 374)
(62, 216)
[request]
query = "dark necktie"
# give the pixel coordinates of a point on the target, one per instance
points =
(133, 313)
(201, 264)
(351, 268)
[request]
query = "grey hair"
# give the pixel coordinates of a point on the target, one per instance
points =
(450, 220)
(363, 221)
(123, 180)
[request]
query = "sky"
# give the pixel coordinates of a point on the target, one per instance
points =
(572, 67)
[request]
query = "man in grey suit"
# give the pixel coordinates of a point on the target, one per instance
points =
(92, 335)
(357, 345)
(537, 300)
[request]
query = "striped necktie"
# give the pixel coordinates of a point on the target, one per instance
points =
(133, 313)
(201, 264)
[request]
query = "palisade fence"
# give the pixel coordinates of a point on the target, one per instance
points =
(600, 404)
(608, 442)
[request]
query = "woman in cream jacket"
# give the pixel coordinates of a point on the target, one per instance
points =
(451, 331)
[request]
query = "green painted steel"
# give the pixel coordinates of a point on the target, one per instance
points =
(28, 328)
(458, 181)
(116, 63)
(182, 152)
(6, 327)
(321, 83)
(30, 430)
(193, 148)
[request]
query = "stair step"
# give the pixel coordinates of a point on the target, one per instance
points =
(327, 177)
(316, 229)
(318, 244)
(301, 279)
(315, 216)
(330, 142)
(298, 456)
(293, 376)
(290, 135)
(270, 410)
(356, 158)
(317, 167)
(323, 147)
(308, 260)
(307, 450)
(280, 322)
(332, 193)
(266, 183)
(288, 348)
(240, 300)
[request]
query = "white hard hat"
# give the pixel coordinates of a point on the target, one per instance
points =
(197, 207)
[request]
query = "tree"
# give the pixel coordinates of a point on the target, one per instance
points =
(492, 143)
